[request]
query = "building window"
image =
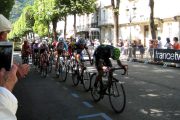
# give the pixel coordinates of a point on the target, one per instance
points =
(95, 35)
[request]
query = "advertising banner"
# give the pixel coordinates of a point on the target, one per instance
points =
(167, 55)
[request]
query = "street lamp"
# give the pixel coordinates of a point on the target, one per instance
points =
(131, 14)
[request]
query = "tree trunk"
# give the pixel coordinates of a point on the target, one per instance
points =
(48, 31)
(54, 23)
(116, 29)
(65, 25)
(75, 25)
(152, 25)
(116, 20)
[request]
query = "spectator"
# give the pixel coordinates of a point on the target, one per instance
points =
(121, 46)
(155, 44)
(168, 44)
(106, 42)
(126, 47)
(134, 48)
(159, 43)
(141, 49)
(176, 44)
(26, 50)
(151, 49)
(8, 79)
(96, 43)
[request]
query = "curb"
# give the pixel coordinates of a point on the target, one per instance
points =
(164, 64)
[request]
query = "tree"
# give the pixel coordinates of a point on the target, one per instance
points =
(116, 20)
(47, 11)
(24, 24)
(6, 7)
(81, 7)
(64, 11)
(152, 25)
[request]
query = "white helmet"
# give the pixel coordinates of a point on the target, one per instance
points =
(5, 24)
(44, 42)
(37, 41)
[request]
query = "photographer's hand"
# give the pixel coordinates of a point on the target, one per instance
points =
(23, 70)
(8, 79)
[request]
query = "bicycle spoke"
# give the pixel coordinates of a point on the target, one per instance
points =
(117, 97)
(86, 80)
(95, 91)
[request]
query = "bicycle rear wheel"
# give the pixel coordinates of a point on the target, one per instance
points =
(86, 80)
(117, 97)
(95, 91)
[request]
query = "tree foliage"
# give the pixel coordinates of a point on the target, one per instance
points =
(38, 17)
(6, 7)
(24, 24)
(81, 7)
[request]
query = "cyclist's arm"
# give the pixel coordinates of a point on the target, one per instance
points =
(65, 46)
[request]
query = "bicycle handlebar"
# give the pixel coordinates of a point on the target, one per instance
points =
(125, 68)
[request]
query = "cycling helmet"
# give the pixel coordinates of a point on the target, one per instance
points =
(37, 41)
(60, 39)
(44, 42)
(81, 41)
(116, 54)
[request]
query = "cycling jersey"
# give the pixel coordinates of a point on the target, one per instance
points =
(43, 48)
(26, 50)
(78, 49)
(62, 46)
(35, 48)
(103, 52)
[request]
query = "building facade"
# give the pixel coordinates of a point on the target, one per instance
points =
(133, 21)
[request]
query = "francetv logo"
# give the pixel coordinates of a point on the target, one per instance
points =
(167, 55)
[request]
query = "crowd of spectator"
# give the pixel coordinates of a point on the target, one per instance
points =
(137, 48)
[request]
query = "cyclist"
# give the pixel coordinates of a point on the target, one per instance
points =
(35, 52)
(71, 46)
(26, 50)
(102, 61)
(61, 48)
(44, 50)
(78, 47)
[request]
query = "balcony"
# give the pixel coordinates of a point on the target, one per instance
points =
(108, 22)
(82, 28)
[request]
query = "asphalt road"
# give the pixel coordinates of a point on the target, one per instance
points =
(152, 92)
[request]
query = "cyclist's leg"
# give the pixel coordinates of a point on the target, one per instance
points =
(99, 65)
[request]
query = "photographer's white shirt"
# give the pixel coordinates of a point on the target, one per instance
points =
(8, 105)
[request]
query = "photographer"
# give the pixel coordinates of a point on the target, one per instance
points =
(8, 79)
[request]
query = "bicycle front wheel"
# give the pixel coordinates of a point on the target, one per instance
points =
(117, 96)
(44, 71)
(62, 73)
(75, 76)
(86, 80)
(95, 91)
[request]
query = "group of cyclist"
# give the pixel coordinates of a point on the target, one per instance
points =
(73, 48)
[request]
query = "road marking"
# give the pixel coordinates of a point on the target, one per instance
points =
(103, 115)
(87, 104)
(75, 95)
